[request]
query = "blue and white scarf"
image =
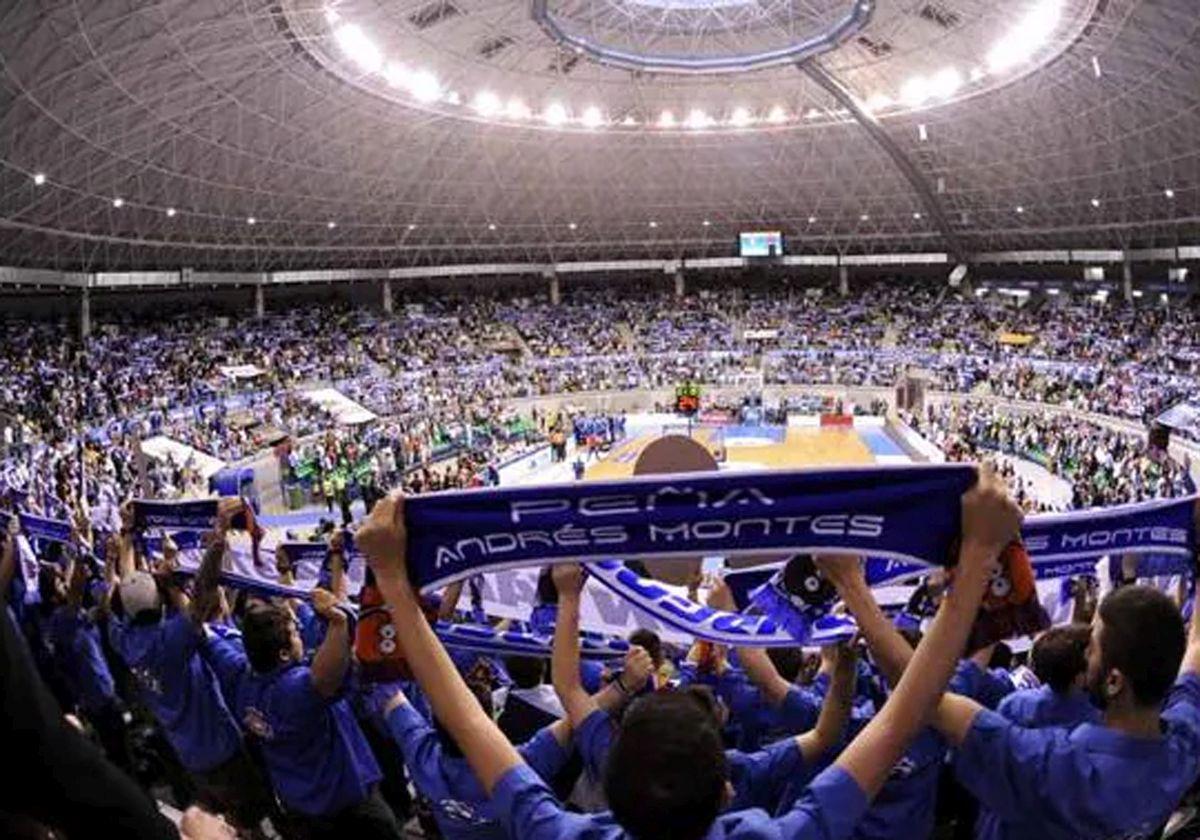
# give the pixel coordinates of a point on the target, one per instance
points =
(187, 515)
(703, 622)
(45, 529)
(907, 513)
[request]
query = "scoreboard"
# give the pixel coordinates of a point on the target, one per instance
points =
(687, 398)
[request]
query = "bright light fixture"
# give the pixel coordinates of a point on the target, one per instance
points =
(878, 102)
(1096, 66)
(777, 115)
(1095, 202)
(572, 226)
(592, 117)
(915, 91)
(358, 47)
(517, 110)
(118, 203)
(486, 103)
(630, 119)
(922, 132)
(740, 117)
(1169, 193)
(396, 75)
(251, 221)
(555, 114)
(812, 220)
(864, 218)
(412, 227)
(332, 17)
(706, 223)
(977, 74)
(698, 118)
(331, 225)
(1030, 34)
(39, 179)
(654, 224)
(170, 212)
(666, 120)
(917, 216)
(424, 86)
(812, 114)
(1020, 209)
(491, 226)
(946, 83)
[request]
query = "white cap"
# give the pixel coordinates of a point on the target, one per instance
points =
(139, 593)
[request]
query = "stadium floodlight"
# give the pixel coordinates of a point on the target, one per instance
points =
(1169, 193)
(946, 83)
(812, 220)
(331, 225)
(977, 74)
(332, 17)
(170, 212)
(572, 226)
(666, 120)
(118, 203)
(698, 118)
(630, 119)
(424, 86)
(1030, 34)
(517, 110)
(453, 98)
(412, 227)
(812, 114)
(358, 47)
(486, 103)
(39, 178)
(922, 132)
(878, 102)
(1020, 209)
(777, 115)
(706, 223)
(251, 220)
(917, 216)
(865, 217)
(592, 117)
(654, 224)
(555, 114)
(1096, 203)
(491, 225)
(740, 117)
(916, 91)
(395, 74)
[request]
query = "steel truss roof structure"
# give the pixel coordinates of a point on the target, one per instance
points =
(197, 117)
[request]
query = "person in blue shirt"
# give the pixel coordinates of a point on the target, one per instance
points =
(440, 773)
(1059, 659)
(1119, 778)
(667, 769)
(161, 649)
(317, 757)
(987, 686)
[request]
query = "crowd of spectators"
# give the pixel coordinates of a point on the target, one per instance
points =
(443, 365)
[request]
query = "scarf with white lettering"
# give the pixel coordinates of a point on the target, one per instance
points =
(907, 513)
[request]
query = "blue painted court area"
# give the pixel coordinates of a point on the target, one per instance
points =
(880, 442)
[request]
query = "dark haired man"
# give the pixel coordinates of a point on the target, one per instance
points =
(317, 756)
(1059, 659)
(665, 774)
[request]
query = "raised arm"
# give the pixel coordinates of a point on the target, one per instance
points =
(450, 598)
(564, 663)
(383, 539)
(990, 521)
(835, 709)
(1191, 656)
(337, 565)
(332, 659)
(891, 651)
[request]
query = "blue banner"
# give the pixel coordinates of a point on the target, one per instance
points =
(1060, 544)
(909, 513)
(42, 528)
(192, 515)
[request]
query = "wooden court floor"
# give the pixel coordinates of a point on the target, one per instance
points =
(801, 447)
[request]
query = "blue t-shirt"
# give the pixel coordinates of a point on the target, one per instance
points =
(179, 688)
(829, 810)
(79, 657)
(761, 779)
(757, 721)
(1091, 781)
(316, 754)
(460, 805)
(1038, 707)
(987, 686)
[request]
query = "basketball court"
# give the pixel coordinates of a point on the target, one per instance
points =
(761, 447)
